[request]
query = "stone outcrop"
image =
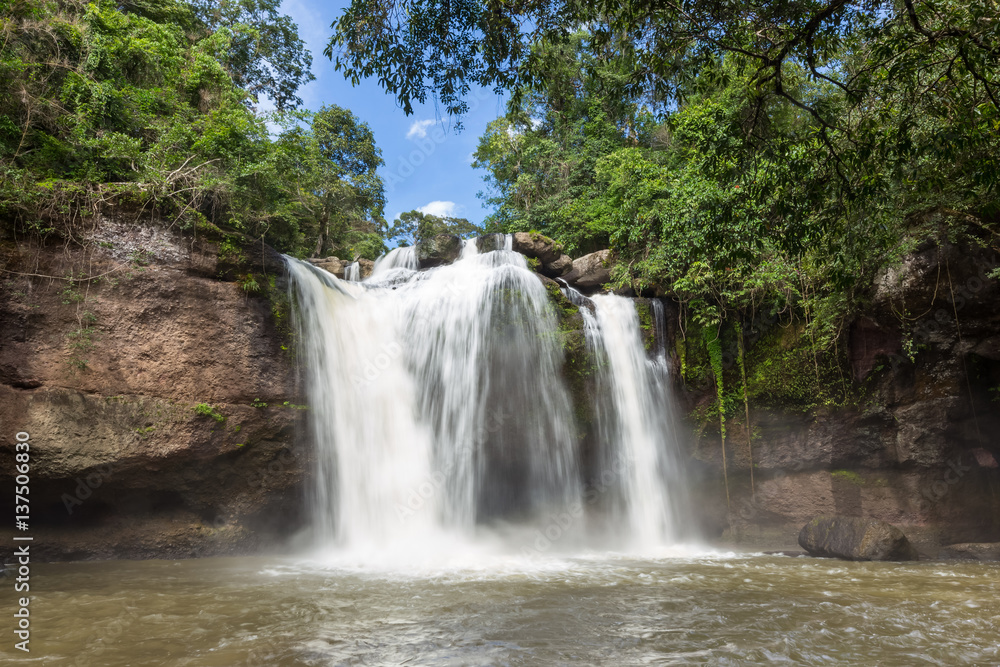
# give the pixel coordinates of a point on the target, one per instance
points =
(855, 538)
(438, 250)
(590, 272)
(338, 267)
(985, 551)
(490, 242)
(552, 261)
(160, 399)
(914, 449)
(332, 265)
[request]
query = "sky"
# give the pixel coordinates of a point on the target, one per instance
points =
(428, 165)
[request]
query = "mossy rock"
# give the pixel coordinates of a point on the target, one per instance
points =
(438, 250)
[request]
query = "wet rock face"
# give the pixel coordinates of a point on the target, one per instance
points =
(916, 450)
(438, 250)
(855, 538)
(533, 244)
(162, 409)
(985, 551)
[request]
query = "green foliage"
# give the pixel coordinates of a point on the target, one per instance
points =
(257, 403)
(248, 283)
(748, 158)
(206, 410)
(541, 159)
(150, 106)
(81, 341)
(263, 52)
(412, 227)
(713, 344)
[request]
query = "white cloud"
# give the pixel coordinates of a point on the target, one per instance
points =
(442, 209)
(419, 129)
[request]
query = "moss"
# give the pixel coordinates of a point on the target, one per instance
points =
(848, 476)
(534, 264)
(208, 230)
(206, 410)
(565, 310)
(538, 236)
(579, 366)
(784, 371)
(645, 312)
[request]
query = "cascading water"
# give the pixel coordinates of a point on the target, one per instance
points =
(437, 403)
(637, 447)
(352, 272)
(397, 258)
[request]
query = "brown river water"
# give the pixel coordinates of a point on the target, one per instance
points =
(671, 608)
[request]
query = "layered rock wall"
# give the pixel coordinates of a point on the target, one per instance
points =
(160, 398)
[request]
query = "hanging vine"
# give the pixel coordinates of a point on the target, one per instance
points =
(714, 347)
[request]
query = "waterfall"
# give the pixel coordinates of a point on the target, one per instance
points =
(397, 258)
(436, 398)
(636, 424)
(439, 406)
(638, 472)
(352, 272)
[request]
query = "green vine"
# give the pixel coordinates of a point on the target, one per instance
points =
(741, 359)
(714, 347)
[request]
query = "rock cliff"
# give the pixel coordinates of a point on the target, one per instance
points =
(913, 446)
(152, 373)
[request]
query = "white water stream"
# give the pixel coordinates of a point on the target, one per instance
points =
(439, 409)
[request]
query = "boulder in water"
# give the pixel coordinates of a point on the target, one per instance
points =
(855, 538)
(558, 268)
(438, 250)
(590, 271)
(365, 267)
(331, 264)
(987, 551)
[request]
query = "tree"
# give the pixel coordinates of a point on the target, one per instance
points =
(334, 167)
(439, 47)
(133, 104)
(857, 111)
(264, 54)
(541, 158)
(413, 226)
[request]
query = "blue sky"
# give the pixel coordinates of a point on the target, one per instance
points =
(427, 163)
